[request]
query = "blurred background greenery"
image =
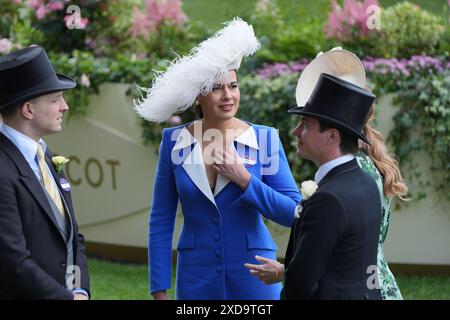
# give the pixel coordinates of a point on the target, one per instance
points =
(126, 41)
(213, 12)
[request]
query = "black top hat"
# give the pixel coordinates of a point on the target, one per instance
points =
(339, 103)
(27, 74)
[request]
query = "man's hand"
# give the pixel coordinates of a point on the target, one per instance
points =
(80, 296)
(269, 272)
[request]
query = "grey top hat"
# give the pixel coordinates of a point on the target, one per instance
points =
(339, 103)
(26, 74)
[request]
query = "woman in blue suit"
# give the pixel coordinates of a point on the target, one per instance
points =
(227, 174)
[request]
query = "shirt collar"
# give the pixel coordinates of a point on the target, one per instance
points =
(328, 166)
(247, 137)
(26, 145)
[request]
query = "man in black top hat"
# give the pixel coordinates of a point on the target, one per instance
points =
(332, 249)
(42, 255)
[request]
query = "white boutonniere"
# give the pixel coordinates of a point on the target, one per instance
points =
(308, 188)
(59, 162)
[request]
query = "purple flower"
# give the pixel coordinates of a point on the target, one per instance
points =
(380, 66)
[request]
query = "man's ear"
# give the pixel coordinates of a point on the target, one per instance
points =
(27, 110)
(333, 136)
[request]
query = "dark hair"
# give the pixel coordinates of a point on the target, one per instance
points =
(198, 110)
(10, 111)
(349, 142)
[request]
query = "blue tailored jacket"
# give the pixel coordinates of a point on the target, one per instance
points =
(223, 228)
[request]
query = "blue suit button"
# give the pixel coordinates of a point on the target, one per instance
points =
(216, 220)
(216, 236)
(219, 269)
(218, 253)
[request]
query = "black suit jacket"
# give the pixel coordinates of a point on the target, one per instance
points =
(33, 252)
(335, 241)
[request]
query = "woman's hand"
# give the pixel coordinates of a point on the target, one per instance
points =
(229, 165)
(270, 271)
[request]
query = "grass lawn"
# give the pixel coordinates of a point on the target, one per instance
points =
(115, 281)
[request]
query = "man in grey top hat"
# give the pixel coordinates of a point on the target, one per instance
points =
(42, 255)
(332, 249)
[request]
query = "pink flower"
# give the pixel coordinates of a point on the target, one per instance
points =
(5, 46)
(55, 6)
(157, 12)
(141, 25)
(75, 21)
(83, 22)
(342, 22)
(84, 81)
(34, 3)
(16, 1)
(41, 12)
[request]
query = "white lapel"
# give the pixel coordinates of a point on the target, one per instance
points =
(248, 138)
(193, 164)
(221, 183)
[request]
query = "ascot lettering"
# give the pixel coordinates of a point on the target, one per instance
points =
(92, 171)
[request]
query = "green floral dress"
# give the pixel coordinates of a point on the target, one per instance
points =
(388, 285)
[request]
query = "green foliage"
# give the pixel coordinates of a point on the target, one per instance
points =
(289, 30)
(266, 102)
(283, 41)
(74, 66)
(406, 30)
(422, 126)
(104, 51)
(422, 119)
(24, 34)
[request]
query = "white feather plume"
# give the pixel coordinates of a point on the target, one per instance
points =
(187, 77)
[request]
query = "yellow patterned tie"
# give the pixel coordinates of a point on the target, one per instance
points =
(47, 180)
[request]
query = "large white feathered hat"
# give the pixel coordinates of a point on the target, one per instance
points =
(337, 62)
(195, 74)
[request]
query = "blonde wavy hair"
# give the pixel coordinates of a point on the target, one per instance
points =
(393, 183)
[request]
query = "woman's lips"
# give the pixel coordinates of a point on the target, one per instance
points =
(226, 107)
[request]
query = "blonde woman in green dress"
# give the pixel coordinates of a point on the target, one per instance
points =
(376, 161)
